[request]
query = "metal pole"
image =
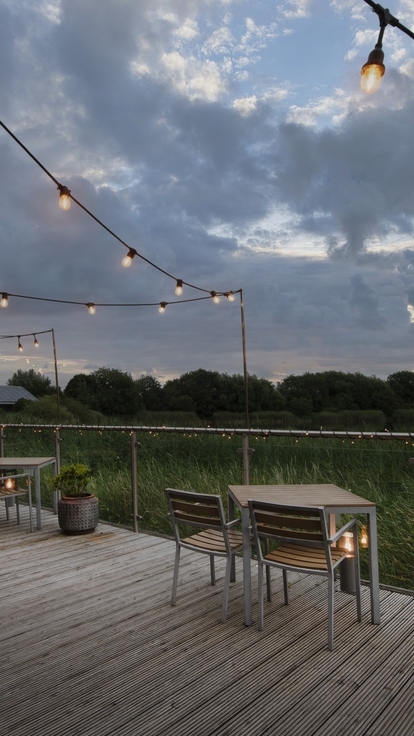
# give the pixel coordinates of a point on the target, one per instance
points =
(1, 442)
(134, 445)
(56, 376)
(243, 330)
(245, 446)
(57, 456)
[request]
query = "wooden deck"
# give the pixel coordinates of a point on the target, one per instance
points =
(90, 646)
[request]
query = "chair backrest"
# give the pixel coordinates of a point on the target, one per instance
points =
(295, 524)
(195, 509)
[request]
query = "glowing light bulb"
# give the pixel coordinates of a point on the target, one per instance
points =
(216, 298)
(19, 345)
(9, 484)
(64, 198)
(35, 342)
(91, 308)
(4, 302)
(161, 308)
(372, 72)
(230, 296)
(126, 262)
(364, 537)
(179, 287)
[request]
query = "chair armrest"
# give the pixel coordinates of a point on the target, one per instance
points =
(231, 524)
(341, 531)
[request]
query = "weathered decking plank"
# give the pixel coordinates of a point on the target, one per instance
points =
(91, 646)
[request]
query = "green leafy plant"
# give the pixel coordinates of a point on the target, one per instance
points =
(73, 479)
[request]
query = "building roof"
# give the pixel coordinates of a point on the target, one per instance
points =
(10, 394)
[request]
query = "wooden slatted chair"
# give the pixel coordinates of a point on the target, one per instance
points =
(216, 540)
(305, 546)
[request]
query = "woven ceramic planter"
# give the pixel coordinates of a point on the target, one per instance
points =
(78, 514)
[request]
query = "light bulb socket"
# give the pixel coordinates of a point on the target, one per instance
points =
(64, 191)
(375, 58)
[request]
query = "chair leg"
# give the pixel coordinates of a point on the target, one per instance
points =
(330, 611)
(175, 576)
(268, 577)
(285, 588)
(226, 588)
(212, 571)
(260, 591)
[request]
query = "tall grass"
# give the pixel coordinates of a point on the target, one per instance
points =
(378, 471)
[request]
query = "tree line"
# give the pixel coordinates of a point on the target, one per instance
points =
(112, 392)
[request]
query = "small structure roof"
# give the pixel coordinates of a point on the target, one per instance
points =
(10, 394)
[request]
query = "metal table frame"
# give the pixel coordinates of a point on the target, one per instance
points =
(345, 503)
(14, 493)
(31, 464)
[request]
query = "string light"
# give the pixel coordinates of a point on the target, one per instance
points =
(229, 295)
(179, 288)
(373, 71)
(35, 341)
(162, 306)
(91, 308)
(4, 301)
(215, 297)
(19, 345)
(126, 262)
(64, 198)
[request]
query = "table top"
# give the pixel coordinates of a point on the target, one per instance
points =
(25, 462)
(323, 494)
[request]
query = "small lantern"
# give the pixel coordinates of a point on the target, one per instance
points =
(347, 543)
(363, 540)
(9, 484)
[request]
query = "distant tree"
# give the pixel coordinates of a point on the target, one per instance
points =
(81, 387)
(107, 390)
(210, 391)
(149, 392)
(32, 381)
(336, 391)
(402, 384)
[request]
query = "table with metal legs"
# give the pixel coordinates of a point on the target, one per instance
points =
(335, 500)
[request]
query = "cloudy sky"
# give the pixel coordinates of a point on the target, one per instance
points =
(228, 142)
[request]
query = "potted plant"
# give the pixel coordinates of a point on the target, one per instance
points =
(78, 510)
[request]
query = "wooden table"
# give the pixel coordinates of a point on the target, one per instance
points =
(335, 500)
(33, 464)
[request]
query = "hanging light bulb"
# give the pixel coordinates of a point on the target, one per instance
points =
(230, 296)
(373, 71)
(91, 308)
(179, 287)
(64, 198)
(162, 306)
(35, 341)
(128, 258)
(216, 298)
(9, 484)
(4, 301)
(19, 345)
